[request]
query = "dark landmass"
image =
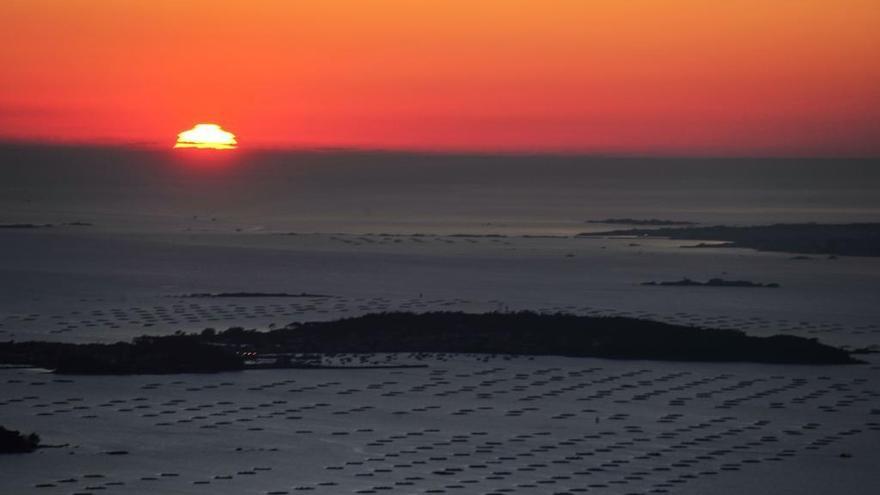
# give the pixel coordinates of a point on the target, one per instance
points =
(314, 363)
(26, 225)
(386, 234)
(528, 333)
(522, 333)
(15, 442)
(42, 225)
(712, 282)
(853, 239)
(250, 294)
(706, 245)
(643, 221)
(144, 355)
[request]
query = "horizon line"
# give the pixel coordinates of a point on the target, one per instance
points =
(443, 151)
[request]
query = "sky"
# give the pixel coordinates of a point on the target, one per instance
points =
(666, 77)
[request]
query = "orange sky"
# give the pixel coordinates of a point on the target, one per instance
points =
(735, 77)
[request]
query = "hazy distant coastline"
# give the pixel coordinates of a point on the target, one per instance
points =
(854, 239)
(43, 225)
(220, 295)
(712, 282)
(643, 221)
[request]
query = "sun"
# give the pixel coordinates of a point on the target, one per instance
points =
(206, 136)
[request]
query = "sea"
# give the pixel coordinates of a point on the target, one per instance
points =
(107, 244)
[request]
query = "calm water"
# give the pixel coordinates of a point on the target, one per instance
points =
(385, 192)
(168, 224)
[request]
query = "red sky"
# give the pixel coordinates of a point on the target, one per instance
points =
(738, 77)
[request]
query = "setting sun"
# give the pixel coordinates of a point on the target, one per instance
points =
(206, 136)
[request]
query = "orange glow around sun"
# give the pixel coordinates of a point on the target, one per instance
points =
(206, 136)
(672, 77)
